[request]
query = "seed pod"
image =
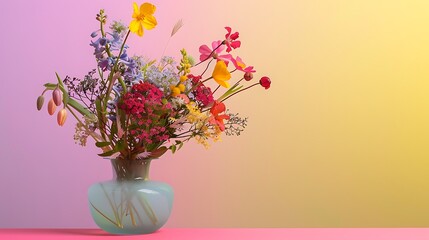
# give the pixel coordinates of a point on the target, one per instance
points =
(248, 76)
(62, 116)
(51, 107)
(57, 96)
(40, 101)
(265, 82)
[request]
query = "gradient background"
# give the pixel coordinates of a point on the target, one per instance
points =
(340, 140)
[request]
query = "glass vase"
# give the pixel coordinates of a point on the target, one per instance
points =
(130, 203)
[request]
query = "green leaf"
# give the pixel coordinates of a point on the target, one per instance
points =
(151, 147)
(65, 95)
(173, 148)
(120, 145)
(158, 152)
(180, 146)
(102, 144)
(60, 82)
(230, 91)
(50, 86)
(82, 110)
(108, 153)
(113, 129)
(63, 89)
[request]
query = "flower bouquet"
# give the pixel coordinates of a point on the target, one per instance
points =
(137, 109)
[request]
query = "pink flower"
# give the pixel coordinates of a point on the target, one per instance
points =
(206, 52)
(239, 65)
(184, 98)
(230, 40)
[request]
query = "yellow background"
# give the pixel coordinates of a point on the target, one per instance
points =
(342, 137)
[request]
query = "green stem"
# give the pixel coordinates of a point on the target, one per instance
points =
(96, 138)
(239, 91)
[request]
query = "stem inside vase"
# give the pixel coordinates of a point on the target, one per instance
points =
(125, 169)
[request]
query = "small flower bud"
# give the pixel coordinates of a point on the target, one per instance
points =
(183, 78)
(265, 82)
(40, 101)
(62, 116)
(182, 87)
(248, 76)
(57, 96)
(94, 34)
(174, 90)
(51, 107)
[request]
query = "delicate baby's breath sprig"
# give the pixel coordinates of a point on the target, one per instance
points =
(235, 124)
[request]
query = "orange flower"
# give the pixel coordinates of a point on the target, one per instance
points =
(62, 116)
(51, 107)
(216, 118)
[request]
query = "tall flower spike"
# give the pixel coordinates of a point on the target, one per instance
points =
(143, 18)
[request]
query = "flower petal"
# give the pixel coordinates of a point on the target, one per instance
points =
(229, 32)
(136, 27)
(136, 10)
(216, 44)
(205, 52)
(234, 36)
(149, 22)
(226, 58)
(147, 9)
(235, 44)
(220, 72)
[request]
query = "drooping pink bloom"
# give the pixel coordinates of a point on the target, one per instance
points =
(206, 52)
(231, 40)
(239, 65)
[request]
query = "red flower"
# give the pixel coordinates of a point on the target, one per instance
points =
(230, 40)
(146, 110)
(216, 118)
(265, 82)
(195, 79)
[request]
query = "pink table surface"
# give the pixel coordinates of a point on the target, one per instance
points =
(227, 233)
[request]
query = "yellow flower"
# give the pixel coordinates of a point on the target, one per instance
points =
(143, 18)
(221, 74)
(183, 78)
(175, 91)
(182, 87)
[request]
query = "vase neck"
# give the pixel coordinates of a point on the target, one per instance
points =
(124, 169)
